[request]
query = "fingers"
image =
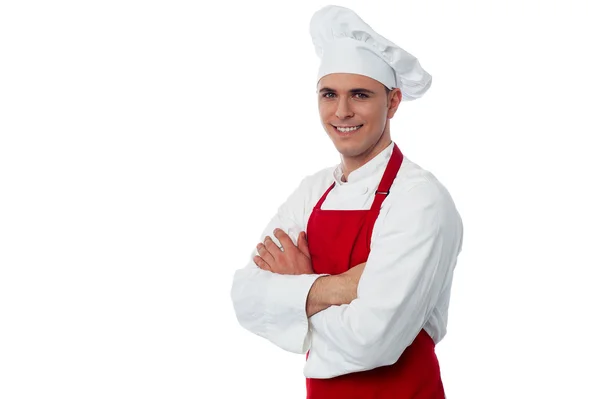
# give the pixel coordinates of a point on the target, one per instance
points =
(273, 248)
(265, 253)
(303, 244)
(284, 239)
(261, 263)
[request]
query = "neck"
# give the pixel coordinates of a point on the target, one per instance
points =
(351, 163)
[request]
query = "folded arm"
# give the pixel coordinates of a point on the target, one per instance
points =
(277, 306)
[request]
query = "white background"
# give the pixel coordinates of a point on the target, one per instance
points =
(145, 144)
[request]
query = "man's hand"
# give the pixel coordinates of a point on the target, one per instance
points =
(287, 260)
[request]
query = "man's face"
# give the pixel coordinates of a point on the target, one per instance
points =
(354, 111)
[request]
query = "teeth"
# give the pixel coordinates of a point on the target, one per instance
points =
(347, 129)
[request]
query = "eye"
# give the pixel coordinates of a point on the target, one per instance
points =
(362, 96)
(328, 94)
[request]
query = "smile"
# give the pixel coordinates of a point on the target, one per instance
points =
(348, 128)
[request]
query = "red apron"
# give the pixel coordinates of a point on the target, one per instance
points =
(338, 240)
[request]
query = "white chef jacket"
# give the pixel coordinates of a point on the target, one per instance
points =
(404, 288)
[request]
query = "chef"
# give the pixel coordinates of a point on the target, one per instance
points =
(355, 268)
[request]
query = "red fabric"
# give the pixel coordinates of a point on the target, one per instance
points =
(338, 240)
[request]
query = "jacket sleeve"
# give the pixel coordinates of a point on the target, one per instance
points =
(273, 305)
(411, 262)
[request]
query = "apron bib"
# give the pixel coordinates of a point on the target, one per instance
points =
(338, 240)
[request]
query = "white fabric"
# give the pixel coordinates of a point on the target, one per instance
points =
(405, 285)
(351, 56)
(346, 44)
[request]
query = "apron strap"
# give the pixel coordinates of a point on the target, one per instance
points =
(318, 206)
(388, 178)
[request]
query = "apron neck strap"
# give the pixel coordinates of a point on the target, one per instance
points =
(389, 175)
(318, 206)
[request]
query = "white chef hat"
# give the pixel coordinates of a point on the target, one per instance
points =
(346, 44)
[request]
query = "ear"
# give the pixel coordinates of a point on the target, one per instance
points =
(394, 98)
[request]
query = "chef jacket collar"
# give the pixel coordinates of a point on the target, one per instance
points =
(379, 162)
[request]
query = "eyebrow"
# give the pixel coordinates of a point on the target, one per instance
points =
(353, 91)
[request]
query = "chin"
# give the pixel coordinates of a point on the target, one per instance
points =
(348, 148)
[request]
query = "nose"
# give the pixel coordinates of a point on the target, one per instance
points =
(343, 110)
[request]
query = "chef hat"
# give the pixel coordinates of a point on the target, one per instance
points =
(346, 44)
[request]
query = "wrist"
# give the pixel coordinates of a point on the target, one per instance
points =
(322, 294)
(338, 293)
(345, 289)
(330, 290)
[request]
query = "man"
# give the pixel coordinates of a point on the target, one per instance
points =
(358, 271)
